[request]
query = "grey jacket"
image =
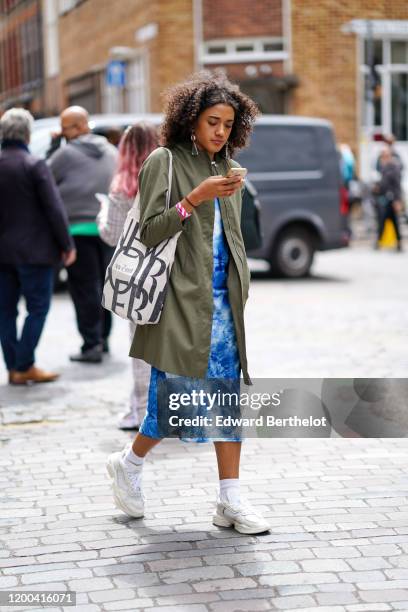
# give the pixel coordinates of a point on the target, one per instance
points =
(83, 167)
(390, 182)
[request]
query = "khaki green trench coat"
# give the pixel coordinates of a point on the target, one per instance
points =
(180, 342)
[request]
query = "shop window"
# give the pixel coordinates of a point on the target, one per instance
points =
(399, 52)
(132, 97)
(376, 50)
(372, 96)
(399, 105)
(112, 98)
(136, 85)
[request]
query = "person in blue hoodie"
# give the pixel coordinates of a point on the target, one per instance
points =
(82, 168)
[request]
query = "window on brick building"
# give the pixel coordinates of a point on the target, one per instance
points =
(399, 52)
(385, 86)
(112, 98)
(235, 50)
(375, 49)
(133, 97)
(399, 105)
(136, 86)
(372, 110)
(273, 46)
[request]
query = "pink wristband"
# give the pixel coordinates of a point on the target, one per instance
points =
(182, 211)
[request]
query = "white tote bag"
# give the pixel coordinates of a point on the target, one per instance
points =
(137, 277)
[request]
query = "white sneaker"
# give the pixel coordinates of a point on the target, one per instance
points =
(129, 421)
(243, 517)
(126, 485)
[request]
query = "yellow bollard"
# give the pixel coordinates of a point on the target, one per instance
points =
(388, 238)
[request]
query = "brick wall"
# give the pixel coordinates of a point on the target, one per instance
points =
(325, 59)
(175, 47)
(88, 32)
(223, 19)
(227, 19)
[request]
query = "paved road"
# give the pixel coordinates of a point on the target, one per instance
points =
(350, 319)
(338, 507)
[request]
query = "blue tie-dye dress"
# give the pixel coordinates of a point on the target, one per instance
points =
(223, 362)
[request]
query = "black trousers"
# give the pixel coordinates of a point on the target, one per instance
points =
(85, 283)
(387, 212)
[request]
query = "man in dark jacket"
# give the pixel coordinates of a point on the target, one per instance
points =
(34, 238)
(82, 168)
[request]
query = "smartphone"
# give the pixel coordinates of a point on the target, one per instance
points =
(242, 172)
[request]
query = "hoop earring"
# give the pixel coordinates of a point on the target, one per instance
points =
(194, 150)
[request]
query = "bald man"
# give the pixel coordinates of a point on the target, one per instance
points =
(83, 167)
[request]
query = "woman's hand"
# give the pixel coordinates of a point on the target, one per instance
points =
(215, 187)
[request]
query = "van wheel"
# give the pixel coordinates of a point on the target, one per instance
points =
(293, 253)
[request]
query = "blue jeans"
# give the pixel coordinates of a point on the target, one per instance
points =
(35, 284)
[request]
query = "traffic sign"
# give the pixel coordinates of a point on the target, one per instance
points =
(116, 73)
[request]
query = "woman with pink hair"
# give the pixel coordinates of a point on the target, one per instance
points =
(136, 144)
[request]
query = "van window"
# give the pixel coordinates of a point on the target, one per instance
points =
(281, 149)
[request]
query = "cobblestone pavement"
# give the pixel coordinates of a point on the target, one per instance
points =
(338, 507)
(349, 319)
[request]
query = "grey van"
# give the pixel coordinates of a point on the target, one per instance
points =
(294, 165)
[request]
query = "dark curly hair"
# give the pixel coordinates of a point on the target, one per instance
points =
(186, 101)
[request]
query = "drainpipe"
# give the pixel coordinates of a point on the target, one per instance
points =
(198, 33)
(287, 45)
(287, 34)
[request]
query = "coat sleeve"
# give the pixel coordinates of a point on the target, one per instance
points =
(50, 202)
(156, 224)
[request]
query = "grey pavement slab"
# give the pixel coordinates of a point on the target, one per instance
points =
(338, 507)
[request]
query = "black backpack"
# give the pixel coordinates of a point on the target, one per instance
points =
(250, 218)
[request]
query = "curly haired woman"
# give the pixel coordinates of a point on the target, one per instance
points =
(201, 333)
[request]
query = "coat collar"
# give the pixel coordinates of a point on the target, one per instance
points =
(219, 165)
(9, 143)
(186, 146)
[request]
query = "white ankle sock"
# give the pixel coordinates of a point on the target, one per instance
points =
(230, 490)
(132, 460)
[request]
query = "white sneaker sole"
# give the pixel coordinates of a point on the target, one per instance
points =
(222, 521)
(118, 502)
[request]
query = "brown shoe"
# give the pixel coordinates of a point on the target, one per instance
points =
(10, 376)
(32, 375)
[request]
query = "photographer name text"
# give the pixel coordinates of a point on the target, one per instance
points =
(260, 421)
